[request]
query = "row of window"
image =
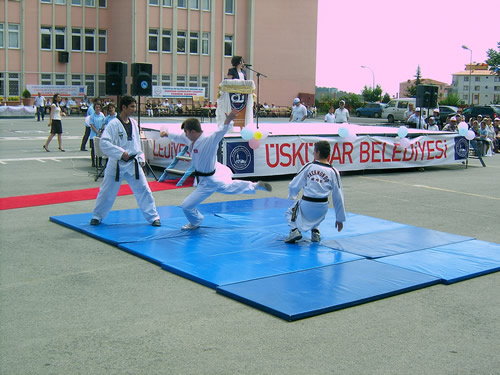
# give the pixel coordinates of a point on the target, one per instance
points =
(81, 40)
(88, 3)
(478, 79)
(89, 80)
(12, 35)
(166, 41)
(478, 88)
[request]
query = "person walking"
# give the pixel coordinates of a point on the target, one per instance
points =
(55, 123)
(40, 107)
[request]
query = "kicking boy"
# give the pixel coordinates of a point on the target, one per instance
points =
(318, 179)
(211, 176)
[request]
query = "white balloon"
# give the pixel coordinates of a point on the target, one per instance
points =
(470, 135)
(463, 125)
(404, 142)
(351, 137)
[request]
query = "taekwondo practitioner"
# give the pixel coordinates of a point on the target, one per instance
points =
(211, 176)
(318, 179)
(121, 142)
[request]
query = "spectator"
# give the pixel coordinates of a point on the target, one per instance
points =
(431, 125)
(149, 108)
(40, 107)
(483, 136)
(452, 126)
(409, 112)
(330, 117)
(299, 112)
(179, 108)
(437, 118)
(417, 120)
(96, 124)
(496, 127)
(341, 113)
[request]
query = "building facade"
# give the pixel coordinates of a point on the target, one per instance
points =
(188, 42)
(477, 85)
(443, 88)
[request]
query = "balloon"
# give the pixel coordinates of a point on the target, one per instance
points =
(163, 128)
(351, 137)
(404, 142)
(470, 135)
(343, 132)
(463, 125)
(265, 134)
(403, 131)
(257, 134)
(246, 134)
(254, 143)
(463, 132)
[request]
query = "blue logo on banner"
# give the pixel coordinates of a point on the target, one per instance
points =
(461, 148)
(238, 101)
(240, 157)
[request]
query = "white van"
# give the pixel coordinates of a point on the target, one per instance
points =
(396, 108)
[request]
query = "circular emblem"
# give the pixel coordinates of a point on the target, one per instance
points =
(240, 158)
(462, 147)
(144, 84)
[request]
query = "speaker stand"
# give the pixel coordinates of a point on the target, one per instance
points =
(147, 166)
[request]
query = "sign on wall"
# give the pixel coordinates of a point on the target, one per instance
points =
(63, 90)
(177, 92)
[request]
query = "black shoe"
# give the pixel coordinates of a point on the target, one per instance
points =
(83, 149)
(156, 223)
(94, 222)
(45, 148)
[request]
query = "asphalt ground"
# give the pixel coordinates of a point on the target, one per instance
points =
(72, 305)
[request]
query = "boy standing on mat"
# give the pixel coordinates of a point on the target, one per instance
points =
(121, 142)
(211, 176)
(318, 179)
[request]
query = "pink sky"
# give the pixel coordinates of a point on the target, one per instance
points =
(393, 37)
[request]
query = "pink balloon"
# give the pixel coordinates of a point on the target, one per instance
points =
(254, 143)
(404, 142)
(470, 135)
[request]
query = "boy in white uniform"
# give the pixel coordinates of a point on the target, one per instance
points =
(317, 179)
(212, 176)
(121, 142)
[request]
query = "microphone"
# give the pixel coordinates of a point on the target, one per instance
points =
(247, 65)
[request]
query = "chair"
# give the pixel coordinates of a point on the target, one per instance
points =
(170, 168)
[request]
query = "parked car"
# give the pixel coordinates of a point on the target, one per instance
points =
(370, 110)
(484, 110)
(445, 111)
(396, 108)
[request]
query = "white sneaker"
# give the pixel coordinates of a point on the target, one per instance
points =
(315, 235)
(264, 186)
(294, 235)
(189, 226)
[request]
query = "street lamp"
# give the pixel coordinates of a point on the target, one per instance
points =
(373, 75)
(470, 70)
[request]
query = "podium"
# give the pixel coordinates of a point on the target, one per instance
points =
(239, 95)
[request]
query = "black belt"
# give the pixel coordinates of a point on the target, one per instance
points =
(199, 174)
(311, 199)
(130, 158)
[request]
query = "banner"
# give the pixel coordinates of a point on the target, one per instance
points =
(177, 92)
(64, 91)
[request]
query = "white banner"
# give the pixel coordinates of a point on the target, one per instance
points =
(50, 90)
(177, 92)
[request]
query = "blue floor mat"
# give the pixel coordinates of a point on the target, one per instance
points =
(240, 245)
(307, 293)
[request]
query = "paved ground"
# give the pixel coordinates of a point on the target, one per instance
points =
(72, 305)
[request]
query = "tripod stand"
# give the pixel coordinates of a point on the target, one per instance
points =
(147, 166)
(258, 89)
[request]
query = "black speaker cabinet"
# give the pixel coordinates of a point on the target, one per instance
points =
(142, 77)
(63, 57)
(427, 96)
(116, 74)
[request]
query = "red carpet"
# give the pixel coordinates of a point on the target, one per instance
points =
(78, 195)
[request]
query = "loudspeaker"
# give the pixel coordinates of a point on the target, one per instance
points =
(63, 57)
(116, 73)
(427, 96)
(142, 77)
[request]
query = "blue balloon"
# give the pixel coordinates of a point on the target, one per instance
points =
(343, 132)
(463, 131)
(402, 131)
(246, 134)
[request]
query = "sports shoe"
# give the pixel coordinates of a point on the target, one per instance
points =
(189, 226)
(95, 222)
(315, 235)
(156, 223)
(294, 235)
(264, 186)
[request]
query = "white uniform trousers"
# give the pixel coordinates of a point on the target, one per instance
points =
(109, 189)
(309, 215)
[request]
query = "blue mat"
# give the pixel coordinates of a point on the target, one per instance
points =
(239, 251)
(303, 294)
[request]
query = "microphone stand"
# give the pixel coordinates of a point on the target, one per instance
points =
(258, 88)
(147, 166)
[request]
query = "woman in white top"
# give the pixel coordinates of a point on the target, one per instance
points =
(55, 123)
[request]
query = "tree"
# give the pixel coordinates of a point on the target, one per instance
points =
(494, 59)
(452, 99)
(418, 76)
(411, 91)
(372, 95)
(386, 98)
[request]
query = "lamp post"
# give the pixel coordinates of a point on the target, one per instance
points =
(470, 71)
(373, 75)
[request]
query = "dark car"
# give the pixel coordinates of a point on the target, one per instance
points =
(484, 110)
(370, 110)
(445, 111)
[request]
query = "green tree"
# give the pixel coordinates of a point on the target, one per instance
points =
(411, 91)
(372, 95)
(452, 99)
(386, 98)
(494, 59)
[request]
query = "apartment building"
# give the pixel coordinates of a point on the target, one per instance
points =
(477, 85)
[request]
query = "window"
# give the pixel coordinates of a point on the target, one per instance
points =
(228, 45)
(153, 40)
(46, 1)
(103, 4)
(194, 4)
(167, 3)
(477, 79)
(60, 36)
(46, 79)
(181, 81)
(205, 4)
(13, 35)
(89, 40)
(166, 41)
(229, 8)
(476, 88)
(45, 37)
(76, 2)
(497, 88)
(2, 45)
(466, 79)
(90, 83)
(496, 79)
(90, 3)
(103, 40)
(102, 84)
(76, 39)
(14, 84)
(76, 79)
(181, 41)
(466, 88)
(166, 80)
(62, 2)
(193, 81)
(205, 82)
(194, 42)
(60, 79)
(2, 84)
(154, 2)
(205, 43)
(154, 80)
(181, 3)
(465, 97)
